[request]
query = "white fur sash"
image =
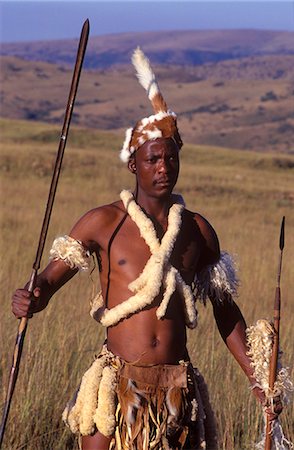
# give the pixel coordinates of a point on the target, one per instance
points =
(158, 271)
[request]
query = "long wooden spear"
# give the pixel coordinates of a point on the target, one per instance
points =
(275, 349)
(32, 283)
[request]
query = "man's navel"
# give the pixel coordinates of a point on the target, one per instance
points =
(155, 342)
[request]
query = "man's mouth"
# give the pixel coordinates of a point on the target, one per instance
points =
(164, 182)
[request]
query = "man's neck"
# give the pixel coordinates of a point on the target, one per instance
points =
(154, 207)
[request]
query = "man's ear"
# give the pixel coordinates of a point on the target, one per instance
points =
(132, 165)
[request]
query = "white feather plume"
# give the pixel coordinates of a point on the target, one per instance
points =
(145, 73)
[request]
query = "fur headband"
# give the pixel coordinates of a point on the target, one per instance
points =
(162, 124)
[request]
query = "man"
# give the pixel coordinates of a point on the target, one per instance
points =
(155, 258)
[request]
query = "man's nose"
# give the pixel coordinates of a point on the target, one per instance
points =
(164, 166)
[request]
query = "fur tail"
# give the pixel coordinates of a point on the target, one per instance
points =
(147, 79)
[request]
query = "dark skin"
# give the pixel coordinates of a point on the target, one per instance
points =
(142, 337)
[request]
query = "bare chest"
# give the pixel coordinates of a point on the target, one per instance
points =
(127, 252)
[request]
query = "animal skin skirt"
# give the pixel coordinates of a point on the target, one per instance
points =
(156, 407)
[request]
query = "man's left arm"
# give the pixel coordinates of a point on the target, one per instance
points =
(217, 281)
(232, 328)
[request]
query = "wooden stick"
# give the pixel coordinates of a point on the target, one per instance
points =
(275, 349)
(62, 143)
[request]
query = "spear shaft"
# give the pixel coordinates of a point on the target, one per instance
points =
(43, 234)
(276, 338)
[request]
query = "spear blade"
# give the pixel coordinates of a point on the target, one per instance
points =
(282, 234)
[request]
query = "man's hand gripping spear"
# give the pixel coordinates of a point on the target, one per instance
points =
(63, 138)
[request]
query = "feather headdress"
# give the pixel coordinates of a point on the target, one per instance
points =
(163, 123)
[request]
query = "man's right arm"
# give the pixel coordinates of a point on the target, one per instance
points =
(60, 270)
(53, 277)
(68, 256)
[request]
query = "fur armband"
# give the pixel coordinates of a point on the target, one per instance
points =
(71, 252)
(217, 280)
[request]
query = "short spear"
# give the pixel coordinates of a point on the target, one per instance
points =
(276, 338)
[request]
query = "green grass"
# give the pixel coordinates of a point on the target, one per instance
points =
(244, 196)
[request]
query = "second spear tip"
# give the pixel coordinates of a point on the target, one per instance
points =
(86, 26)
(282, 234)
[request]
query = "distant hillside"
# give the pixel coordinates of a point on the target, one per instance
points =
(229, 88)
(164, 47)
(246, 103)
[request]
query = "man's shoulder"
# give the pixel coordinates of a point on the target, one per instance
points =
(200, 221)
(105, 213)
(97, 222)
(208, 234)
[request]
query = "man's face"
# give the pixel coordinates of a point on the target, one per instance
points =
(156, 164)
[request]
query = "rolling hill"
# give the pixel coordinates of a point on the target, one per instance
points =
(238, 92)
(164, 47)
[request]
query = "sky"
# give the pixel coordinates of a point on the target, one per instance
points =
(47, 20)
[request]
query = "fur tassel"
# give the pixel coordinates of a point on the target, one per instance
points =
(174, 402)
(105, 413)
(217, 280)
(260, 342)
(148, 81)
(94, 404)
(79, 417)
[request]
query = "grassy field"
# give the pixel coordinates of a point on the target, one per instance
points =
(244, 195)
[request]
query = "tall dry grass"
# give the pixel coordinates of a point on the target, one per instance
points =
(244, 195)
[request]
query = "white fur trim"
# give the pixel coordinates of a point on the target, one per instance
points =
(157, 117)
(141, 140)
(186, 293)
(71, 252)
(153, 134)
(126, 151)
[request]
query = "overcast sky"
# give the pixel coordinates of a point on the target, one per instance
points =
(42, 20)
